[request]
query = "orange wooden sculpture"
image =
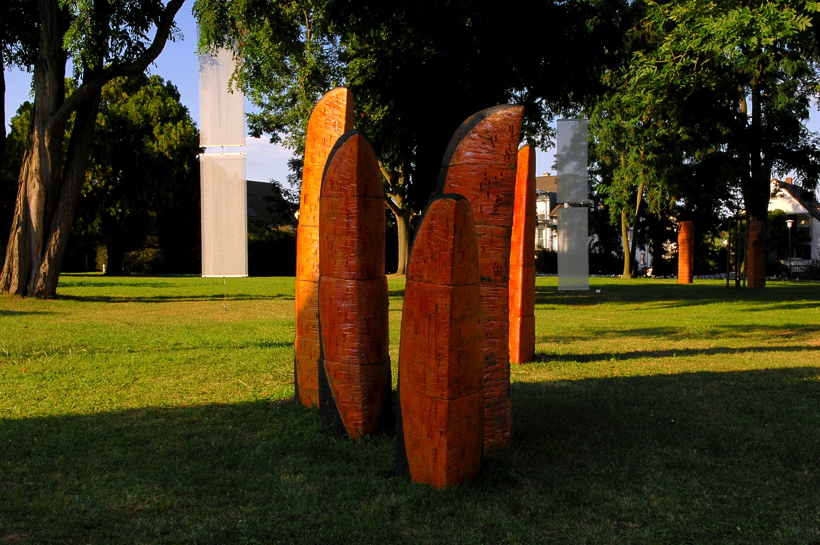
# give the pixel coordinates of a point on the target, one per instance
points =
(480, 163)
(354, 375)
(522, 261)
(332, 117)
(757, 255)
(686, 256)
(440, 433)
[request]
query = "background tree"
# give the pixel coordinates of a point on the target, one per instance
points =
(18, 38)
(417, 69)
(143, 161)
(15, 145)
(723, 83)
(103, 40)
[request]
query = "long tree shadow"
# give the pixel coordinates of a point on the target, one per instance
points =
(173, 298)
(690, 458)
(668, 296)
(670, 353)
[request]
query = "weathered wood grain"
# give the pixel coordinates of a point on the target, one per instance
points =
(332, 117)
(480, 164)
(522, 261)
(441, 372)
(354, 372)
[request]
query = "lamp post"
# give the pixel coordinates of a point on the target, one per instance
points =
(789, 224)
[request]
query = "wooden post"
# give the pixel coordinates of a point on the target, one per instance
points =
(354, 372)
(522, 261)
(686, 257)
(440, 433)
(756, 255)
(332, 117)
(480, 163)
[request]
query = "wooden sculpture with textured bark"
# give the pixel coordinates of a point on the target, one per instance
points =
(522, 261)
(332, 117)
(440, 432)
(480, 163)
(354, 373)
(686, 255)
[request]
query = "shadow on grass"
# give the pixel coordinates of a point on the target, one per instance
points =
(671, 353)
(170, 298)
(786, 330)
(11, 313)
(690, 458)
(670, 295)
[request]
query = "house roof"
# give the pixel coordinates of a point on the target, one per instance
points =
(803, 196)
(547, 183)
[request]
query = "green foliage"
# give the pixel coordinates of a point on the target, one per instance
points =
(271, 251)
(546, 261)
(417, 69)
(143, 170)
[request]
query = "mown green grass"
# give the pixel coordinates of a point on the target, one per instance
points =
(155, 410)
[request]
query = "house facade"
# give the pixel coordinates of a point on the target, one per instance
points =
(803, 212)
(546, 191)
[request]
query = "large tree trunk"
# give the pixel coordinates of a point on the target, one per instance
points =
(48, 191)
(629, 246)
(627, 272)
(756, 194)
(401, 210)
(42, 162)
(403, 228)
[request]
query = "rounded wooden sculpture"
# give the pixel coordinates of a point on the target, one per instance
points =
(332, 117)
(686, 256)
(441, 374)
(522, 261)
(757, 254)
(354, 375)
(480, 163)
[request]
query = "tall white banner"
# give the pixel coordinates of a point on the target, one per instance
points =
(573, 219)
(221, 110)
(224, 215)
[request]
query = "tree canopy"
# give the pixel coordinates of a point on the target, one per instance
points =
(417, 69)
(713, 97)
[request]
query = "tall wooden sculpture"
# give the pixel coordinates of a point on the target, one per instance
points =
(332, 117)
(354, 373)
(480, 163)
(757, 255)
(686, 257)
(522, 261)
(441, 374)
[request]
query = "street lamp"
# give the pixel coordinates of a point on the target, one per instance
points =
(789, 224)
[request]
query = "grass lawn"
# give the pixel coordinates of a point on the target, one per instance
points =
(156, 410)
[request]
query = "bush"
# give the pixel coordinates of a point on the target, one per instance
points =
(546, 261)
(271, 251)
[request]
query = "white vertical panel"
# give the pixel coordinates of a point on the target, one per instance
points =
(224, 215)
(571, 159)
(221, 113)
(573, 221)
(573, 248)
